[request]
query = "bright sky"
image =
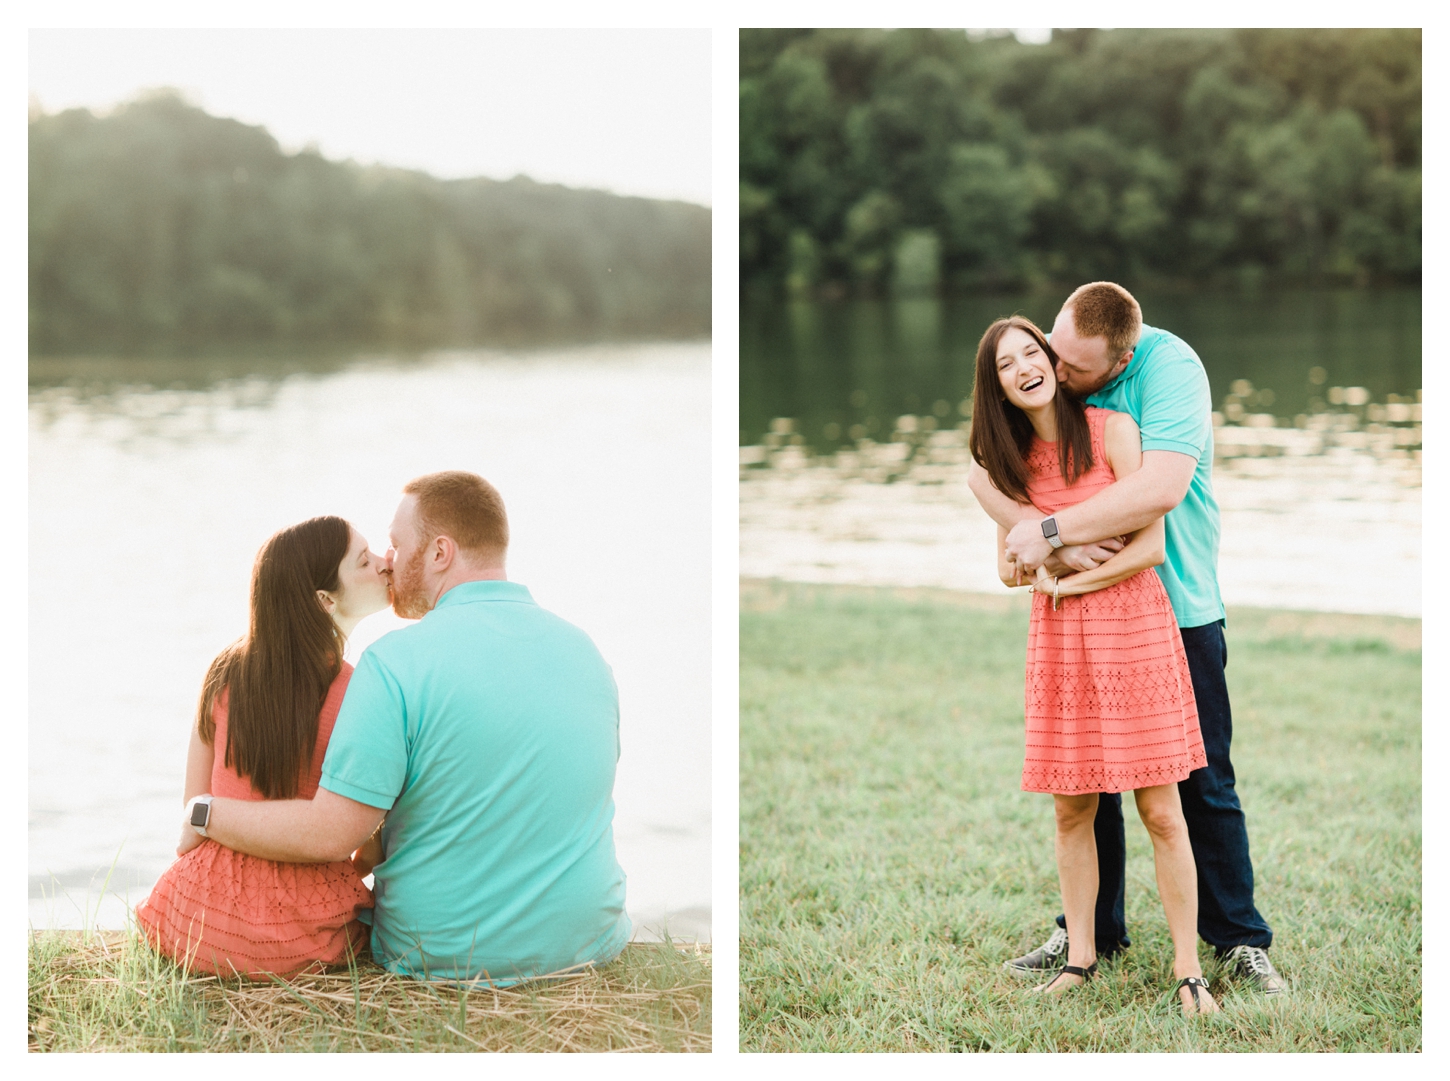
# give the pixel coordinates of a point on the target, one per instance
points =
(623, 110)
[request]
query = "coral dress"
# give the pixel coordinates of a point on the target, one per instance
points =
(225, 912)
(1110, 703)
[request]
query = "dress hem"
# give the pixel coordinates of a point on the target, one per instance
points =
(1129, 783)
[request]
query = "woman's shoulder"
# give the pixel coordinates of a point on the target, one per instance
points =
(1122, 444)
(1111, 421)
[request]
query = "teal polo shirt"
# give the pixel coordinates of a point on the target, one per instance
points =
(490, 731)
(1165, 389)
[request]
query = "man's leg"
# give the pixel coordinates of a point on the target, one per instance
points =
(1216, 828)
(1109, 923)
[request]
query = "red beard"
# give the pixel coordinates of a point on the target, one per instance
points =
(410, 599)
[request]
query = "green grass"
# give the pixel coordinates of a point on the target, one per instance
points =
(890, 863)
(106, 991)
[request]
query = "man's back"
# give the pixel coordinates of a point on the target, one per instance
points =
(495, 726)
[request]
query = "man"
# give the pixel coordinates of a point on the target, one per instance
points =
(488, 733)
(1107, 356)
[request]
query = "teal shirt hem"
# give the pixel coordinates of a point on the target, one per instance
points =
(604, 952)
(1189, 618)
(356, 792)
(1174, 445)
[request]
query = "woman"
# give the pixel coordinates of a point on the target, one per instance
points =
(266, 712)
(1110, 704)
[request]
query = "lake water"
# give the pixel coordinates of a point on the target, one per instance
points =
(854, 460)
(152, 486)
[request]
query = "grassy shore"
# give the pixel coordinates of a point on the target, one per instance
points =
(890, 863)
(106, 991)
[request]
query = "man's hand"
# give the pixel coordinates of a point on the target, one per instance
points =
(1026, 545)
(1033, 550)
(1082, 557)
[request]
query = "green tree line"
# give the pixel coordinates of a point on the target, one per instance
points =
(935, 159)
(159, 225)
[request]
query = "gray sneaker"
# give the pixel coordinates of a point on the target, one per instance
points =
(1253, 964)
(1049, 957)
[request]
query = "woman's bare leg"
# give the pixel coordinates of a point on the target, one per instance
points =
(1162, 813)
(1077, 875)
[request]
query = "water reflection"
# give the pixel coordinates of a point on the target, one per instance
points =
(127, 413)
(88, 377)
(924, 450)
(844, 371)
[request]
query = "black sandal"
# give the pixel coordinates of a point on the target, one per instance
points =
(1193, 983)
(1071, 970)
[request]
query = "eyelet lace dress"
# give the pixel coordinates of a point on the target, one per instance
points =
(227, 913)
(1110, 704)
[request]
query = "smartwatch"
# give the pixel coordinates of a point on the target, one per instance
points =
(1049, 530)
(198, 813)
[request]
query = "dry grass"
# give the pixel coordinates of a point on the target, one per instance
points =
(106, 991)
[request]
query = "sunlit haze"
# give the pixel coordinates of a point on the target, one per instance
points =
(627, 111)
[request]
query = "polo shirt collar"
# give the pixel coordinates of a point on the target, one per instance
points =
(474, 592)
(1131, 370)
(1126, 373)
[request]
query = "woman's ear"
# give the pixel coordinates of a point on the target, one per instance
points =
(325, 599)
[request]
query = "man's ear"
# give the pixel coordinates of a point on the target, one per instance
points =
(443, 552)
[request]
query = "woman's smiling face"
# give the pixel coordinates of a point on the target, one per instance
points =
(1025, 370)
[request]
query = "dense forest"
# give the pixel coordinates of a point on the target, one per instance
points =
(928, 160)
(161, 226)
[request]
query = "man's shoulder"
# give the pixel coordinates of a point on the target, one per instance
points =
(427, 640)
(1164, 348)
(1166, 365)
(397, 638)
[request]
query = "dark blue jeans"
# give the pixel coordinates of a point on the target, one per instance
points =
(1226, 913)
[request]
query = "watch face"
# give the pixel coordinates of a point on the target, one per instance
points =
(199, 814)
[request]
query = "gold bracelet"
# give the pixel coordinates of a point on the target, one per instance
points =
(1054, 592)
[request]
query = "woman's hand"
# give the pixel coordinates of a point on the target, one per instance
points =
(1014, 570)
(189, 839)
(1009, 570)
(1043, 582)
(1084, 557)
(369, 855)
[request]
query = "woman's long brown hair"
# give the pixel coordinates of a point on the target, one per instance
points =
(277, 677)
(1002, 433)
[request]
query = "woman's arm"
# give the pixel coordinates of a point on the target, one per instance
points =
(1143, 551)
(1125, 455)
(1009, 572)
(199, 756)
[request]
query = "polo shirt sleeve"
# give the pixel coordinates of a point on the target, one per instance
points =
(367, 756)
(1176, 405)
